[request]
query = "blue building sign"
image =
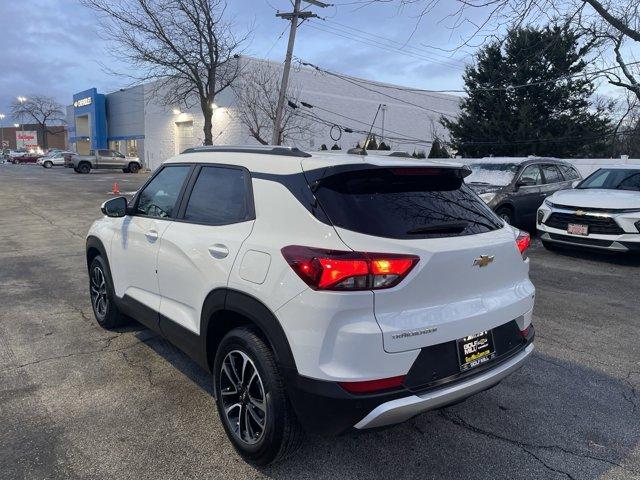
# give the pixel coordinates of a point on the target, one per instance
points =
(90, 118)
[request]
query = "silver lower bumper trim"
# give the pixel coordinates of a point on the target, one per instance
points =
(402, 409)
(615, 246)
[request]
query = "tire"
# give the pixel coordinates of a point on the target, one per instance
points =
(281, 433)
(102, 295)
(505, 214)
(84, 167)
(76, 170)
(47, 164)
(133, 167)
(125, 170)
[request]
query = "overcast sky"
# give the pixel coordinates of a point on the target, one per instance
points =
(52, 47)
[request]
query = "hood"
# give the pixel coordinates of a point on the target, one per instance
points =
(597, 198)
(480, 188)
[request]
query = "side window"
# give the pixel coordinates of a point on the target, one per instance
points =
(568, 172)
(551, 174)
(104, 153)
(532, 174)
(220, 197)
(159, 197)
(92, 153)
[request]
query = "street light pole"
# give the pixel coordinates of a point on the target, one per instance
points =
(22, 100)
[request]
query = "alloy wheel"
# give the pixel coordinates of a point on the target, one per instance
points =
(243, 397)
(99, 297)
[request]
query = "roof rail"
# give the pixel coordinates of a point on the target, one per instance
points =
(266, 150)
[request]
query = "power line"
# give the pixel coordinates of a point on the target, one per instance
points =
(354, 82)
(399, 45)
(378, 45)
(355, 130)
(407, 139)
(489, 89)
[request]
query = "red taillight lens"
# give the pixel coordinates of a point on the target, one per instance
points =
(523, 241)
(341, 270)
(371, 386)
(525, 333)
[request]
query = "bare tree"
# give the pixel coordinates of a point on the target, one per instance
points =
(186, 47)
(611, 24)
(257, 93)
(43, 110)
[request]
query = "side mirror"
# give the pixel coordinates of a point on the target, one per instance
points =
(116, 207)
(525, 182)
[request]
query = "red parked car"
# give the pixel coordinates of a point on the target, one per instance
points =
(28, 158)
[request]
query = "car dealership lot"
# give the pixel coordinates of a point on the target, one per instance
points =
(80, 402)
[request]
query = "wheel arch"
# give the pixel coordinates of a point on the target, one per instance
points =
(225, 309)
(95, 247)
(509, 206)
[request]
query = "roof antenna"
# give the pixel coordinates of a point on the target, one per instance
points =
(363, 150)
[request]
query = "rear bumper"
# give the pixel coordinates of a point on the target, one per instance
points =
(401, 409)
(325, 408)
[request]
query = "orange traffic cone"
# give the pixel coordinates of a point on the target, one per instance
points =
(116, 189)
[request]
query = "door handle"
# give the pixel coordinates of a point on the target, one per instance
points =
(151, 235)
(218, 250)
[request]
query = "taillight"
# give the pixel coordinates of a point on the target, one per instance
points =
(525, 333)
(523, 240)
(343, 270)
(370, 386)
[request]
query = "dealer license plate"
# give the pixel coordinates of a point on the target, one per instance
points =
(578, 229)
(475, 350)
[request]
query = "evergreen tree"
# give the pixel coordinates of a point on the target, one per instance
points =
(438, 150)
(551, 116)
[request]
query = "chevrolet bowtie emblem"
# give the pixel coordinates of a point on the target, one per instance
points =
(483, 261)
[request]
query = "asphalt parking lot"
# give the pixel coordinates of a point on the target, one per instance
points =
(80, 402)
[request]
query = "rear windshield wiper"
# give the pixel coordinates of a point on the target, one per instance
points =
(440, 228)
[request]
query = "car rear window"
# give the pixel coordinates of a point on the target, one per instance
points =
(404, 203)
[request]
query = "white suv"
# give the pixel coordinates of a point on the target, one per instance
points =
(323, 292)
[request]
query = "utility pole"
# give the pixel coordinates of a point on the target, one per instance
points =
(384, 110)
(2, 115)
(293, 18)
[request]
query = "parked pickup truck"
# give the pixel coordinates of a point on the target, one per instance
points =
(106, 159)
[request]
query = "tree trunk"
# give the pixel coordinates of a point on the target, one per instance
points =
(44, 137)
(207, 111)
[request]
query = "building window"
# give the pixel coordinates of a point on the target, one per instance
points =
(114, 145)
(132, 148)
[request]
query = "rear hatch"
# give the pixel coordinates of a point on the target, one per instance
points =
(428, 211)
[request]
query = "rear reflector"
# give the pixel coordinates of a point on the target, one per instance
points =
(523, 241)
(343, 270)
(371, 386)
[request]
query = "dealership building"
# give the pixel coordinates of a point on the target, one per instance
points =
(337, 110)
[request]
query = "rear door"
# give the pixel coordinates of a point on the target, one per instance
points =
(553, 180)
(432, 214)
(198, 250)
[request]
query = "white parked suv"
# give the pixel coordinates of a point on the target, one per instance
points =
(323, 292)
(602, 212)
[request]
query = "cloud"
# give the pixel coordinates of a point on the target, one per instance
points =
(49, 48)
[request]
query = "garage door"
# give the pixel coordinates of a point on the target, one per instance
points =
(184, 136)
